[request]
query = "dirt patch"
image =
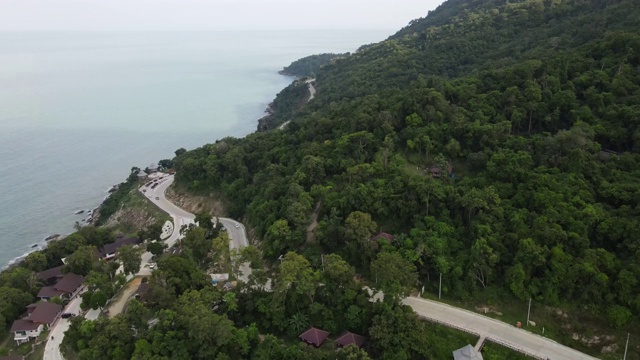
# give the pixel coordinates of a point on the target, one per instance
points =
(488, 310)
(196, 203)
(131, 219)
(314, 223)
(135, 213)
(117, 306)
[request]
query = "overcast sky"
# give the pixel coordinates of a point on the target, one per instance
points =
(209, 14)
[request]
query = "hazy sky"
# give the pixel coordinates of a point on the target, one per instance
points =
(209, 14)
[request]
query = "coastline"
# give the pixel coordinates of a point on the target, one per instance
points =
(94, 212)
(44, 242)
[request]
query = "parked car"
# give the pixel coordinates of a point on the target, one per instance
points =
(157, 198)
(67, 315)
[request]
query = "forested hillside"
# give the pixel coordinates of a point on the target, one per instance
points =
(309, 65)
(498, 140)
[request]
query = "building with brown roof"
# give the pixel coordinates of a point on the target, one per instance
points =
(12, 357)
(314, 336)
(25, 330)
(44, 312)
(349, 338)
(383, 235)
(108, 251)
(66, 288)
(40, 316)
(51, 275)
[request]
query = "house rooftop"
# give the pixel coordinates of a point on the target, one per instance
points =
(49, 292)
(69, 283)
(314, 336)
(50, 273)
(12, 357)
(383, 235)
(45, 312)
(349, 338)
(23, 325)
(467, 353)
(120, 242)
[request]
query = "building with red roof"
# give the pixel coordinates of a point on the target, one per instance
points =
(66, 288)
(12, 357)
(25, 330)
(349, 338)
(44, 312)
(314, 336)
(40, 316)
(109, 251)
(51, 275)
(383, 235)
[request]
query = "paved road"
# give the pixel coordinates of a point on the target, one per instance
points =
(52, 348)
(312, 95)
(494, 330)
(237, 232)
(312, 89)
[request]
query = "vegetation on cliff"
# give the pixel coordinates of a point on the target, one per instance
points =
(308, 66)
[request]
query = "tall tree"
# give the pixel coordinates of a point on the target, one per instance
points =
(195, 243)
(82, 260)
(129, 257)
(394, 274)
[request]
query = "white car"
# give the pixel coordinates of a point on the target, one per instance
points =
(237, 226)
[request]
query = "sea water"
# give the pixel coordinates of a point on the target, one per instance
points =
(78, 110)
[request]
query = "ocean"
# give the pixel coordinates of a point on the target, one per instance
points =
(78, 110)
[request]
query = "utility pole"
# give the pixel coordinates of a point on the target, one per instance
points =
(322, 259)
(625, 348)
(440, 287)
(529, 312)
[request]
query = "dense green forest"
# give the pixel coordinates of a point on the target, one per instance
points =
(308, 66)
(285, 106)
(529, 110)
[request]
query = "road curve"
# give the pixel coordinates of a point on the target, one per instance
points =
(236, 230)
(493, 330)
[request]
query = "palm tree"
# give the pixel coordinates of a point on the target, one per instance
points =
(298, 323)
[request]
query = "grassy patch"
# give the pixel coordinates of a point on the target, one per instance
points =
(493, 351)
(137, 212)
(9, 347)
(38, 352)
(413, 169)
(445, 340)
(136, 200)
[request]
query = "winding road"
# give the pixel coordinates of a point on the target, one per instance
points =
(236, 230)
